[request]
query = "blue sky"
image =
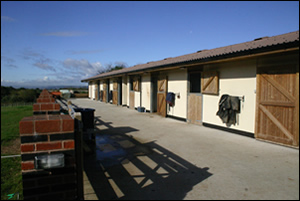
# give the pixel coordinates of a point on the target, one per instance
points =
(60, 43)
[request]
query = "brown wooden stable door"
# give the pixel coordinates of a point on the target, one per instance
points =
(194, 110)
(96, 92)
(277, 105)
(115, 92)
(162, 84)
(104, 93)
(131, 100)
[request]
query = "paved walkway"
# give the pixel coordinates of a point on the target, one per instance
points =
(145, 156)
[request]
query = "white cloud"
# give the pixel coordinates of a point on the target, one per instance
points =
(65, 33)
(43, 82)
(44, 66)
(84, 52)
(7, 19)
(28, 53)
(39, 60)
(68, 72)
(83, 66)
(11, 83)
(8, 62)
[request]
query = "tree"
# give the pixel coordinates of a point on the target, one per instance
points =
(12, 95)
(6, 91)
(109, 67)
(117, 68)
(27, 95)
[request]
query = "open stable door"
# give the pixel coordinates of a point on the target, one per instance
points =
(162, 88)
(153, 108)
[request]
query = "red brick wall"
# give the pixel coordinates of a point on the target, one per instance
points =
(46, 104)
(48, 134)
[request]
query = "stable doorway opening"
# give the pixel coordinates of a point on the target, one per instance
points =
(153, 108)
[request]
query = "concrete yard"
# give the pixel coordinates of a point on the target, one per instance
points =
(144, 156)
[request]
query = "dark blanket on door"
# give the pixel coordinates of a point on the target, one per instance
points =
(170, 98)
(228, 107)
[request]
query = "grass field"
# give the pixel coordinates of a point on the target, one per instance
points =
(11, 176)
(10, 117)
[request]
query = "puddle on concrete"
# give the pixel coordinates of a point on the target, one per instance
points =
(115, 149)
(108, 152)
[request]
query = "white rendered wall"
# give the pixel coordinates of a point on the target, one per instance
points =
(128, 90)
(146, 91)
(124, 90)
(177, 83)
(101, 85)
(111, 84)
(93, 90)
(235, 79)
(137, 99)
(90, 89)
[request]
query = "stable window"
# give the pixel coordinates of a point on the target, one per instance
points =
(134, 84)
(210, 82)
(131, 84)
(195, 82)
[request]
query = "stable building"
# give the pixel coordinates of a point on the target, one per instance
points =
(250, 88)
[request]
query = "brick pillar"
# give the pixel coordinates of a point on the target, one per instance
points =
(46, 104)
(48, 135)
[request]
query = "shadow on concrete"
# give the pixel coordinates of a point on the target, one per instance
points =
(121, 167)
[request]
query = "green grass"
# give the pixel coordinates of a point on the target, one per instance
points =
(11, 175)
(10, 117)
(11, 178)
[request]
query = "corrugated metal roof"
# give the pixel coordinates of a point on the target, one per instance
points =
(256, 44)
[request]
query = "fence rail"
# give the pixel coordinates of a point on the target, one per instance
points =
(10, 156)
(15, 104)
